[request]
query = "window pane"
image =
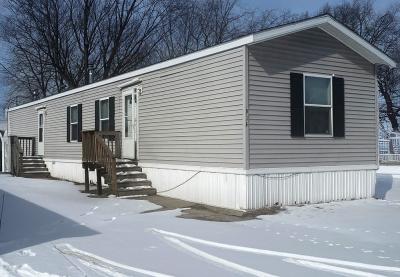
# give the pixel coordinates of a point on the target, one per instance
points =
(104, 125)
(317, 120)
(40, 134)
(74, 114)
(74, 131)
(317, 90)
(104, 109)
(128, 116)
(40, 120)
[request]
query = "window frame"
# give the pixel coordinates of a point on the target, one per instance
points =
(41, 127)
(104, 119)
(75, 123)
(326, 76)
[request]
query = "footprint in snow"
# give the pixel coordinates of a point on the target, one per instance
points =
(367, 251)
(91, 211)
(349, 247)
(111, 219)
(383, 257)
(26, 252)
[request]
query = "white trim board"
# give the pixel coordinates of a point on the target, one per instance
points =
(325, 23)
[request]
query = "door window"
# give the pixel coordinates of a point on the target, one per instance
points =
(41, 127)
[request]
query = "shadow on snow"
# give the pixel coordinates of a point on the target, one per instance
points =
(25, 224)
(384, 183)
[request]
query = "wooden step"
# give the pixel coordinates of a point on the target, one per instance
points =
(137, 191)
(131, 174)
(30, 165)
(37, 174)
(34, 169)
(134, 182)
(126, 162)
(128, 168)
(33, 163)
(32, 158)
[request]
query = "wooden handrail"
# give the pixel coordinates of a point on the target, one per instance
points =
(27, 144)
(16, 155)
(98, 151)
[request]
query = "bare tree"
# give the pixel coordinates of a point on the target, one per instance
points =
(57, 45)
(381, 29)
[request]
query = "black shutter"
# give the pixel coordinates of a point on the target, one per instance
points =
(296, 105)
(338, 107)
(111, 103)
(68, 123)
(80, 122)
(96, 115)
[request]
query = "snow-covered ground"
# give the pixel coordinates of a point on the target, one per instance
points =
(49, 228)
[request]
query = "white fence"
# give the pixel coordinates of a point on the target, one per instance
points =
(389, 149)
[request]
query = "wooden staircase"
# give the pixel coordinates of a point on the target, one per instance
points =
(33, 167)
(101, 151)
(131, 180)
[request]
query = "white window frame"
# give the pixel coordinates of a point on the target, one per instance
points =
(330, 77)
(104, 119)
(73, 123)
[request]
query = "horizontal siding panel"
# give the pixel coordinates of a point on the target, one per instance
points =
(270, 64)
(188, 114)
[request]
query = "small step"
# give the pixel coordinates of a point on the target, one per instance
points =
(126, 161)
(128, 168)
(145, 190)
(32, 158)
(27, 166)
(34, 169)
(33, 163)
(37, 174)
(134, 182)
(130, 174)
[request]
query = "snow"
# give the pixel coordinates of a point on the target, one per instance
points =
(49, 228)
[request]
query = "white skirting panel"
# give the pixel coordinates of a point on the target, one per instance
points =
(70, 170)
(227, 190)
(245, 190)
(242, 190)
(305, 188)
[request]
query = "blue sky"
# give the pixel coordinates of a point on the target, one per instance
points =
(300, 5)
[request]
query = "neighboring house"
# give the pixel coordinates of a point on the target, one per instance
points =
(283, 116)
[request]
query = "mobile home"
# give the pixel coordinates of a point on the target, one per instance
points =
(284, 116)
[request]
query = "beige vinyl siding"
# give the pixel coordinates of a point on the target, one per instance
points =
(193, 114)
(188, 114)
(311, 51)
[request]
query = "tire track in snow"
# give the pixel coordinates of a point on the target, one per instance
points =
(279, 254)
(331, 268)
(68, 249)
(218, 260)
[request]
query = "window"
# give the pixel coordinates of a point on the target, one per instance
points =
(74, 123)
(40, 127)
(104, 115)
(128, 116)
(317, 105)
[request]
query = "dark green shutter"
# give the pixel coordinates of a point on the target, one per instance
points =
(296, 105)
(68, 124)
(338, 107)
(80, 122)
(111, 103)
(96, 115)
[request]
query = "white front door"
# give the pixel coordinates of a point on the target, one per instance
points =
(130, 122)
(40, 142)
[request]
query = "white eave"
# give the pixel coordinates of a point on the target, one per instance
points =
(325, 23)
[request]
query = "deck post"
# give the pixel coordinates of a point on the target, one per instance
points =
(86, 178)
(99, 187)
